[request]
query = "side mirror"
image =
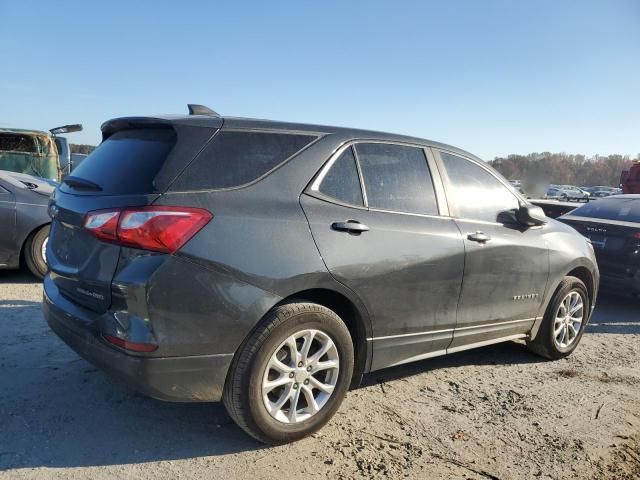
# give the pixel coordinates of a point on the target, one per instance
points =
(531, 216)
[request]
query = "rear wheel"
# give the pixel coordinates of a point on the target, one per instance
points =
(35, 252)
(291, 375)
(564, 321)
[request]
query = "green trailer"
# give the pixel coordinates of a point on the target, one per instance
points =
(38, 153)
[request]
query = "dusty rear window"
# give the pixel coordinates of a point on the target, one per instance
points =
(127, 162)
(624, 209)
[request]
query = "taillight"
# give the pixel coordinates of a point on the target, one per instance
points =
(156, 228)
(636, 235)
(103, 224)
(133, 346)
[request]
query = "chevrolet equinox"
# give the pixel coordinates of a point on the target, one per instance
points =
(270, 265)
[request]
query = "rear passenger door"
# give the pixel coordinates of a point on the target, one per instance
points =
(506, 264)
(375, 211)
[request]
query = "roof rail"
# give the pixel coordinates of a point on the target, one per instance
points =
(195, 109)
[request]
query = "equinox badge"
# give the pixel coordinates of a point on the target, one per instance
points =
(528, 296)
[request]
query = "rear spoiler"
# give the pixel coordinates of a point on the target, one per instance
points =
(127, 123)
(199, 116)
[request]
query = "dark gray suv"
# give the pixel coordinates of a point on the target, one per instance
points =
(272, 264)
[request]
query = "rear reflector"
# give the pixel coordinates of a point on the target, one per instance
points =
(156, 228)
(133, 346)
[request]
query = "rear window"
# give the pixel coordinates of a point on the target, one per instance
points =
(236, 158)
(624, 209)
(18, 143)
(127, 162)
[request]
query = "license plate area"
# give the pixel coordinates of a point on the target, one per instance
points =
(598, 240)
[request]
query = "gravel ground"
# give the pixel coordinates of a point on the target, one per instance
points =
(497, 412)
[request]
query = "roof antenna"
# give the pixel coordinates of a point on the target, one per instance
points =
(195, 109)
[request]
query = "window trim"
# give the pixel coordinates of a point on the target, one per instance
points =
(448, 188)
(313, 189)
(363, 188)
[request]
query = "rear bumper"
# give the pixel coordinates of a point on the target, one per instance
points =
(626, 285)
(618, 277)
(198, 378)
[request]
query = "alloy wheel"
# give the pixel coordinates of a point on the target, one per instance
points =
(568, 320)
(43, 250)
(300, 376)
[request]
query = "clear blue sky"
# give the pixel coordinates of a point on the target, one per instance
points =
(493, 77)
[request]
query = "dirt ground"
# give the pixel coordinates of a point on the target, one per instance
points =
(494, 413)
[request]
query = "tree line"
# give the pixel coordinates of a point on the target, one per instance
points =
(565, 169)
(558, 168)
(79, 148)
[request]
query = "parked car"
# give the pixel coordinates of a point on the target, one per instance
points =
(602, 190)
(41, 154)
(613, 226)
(24, 221)
(602, 193)
(556, 192)
(554, 208)
(77, 159)
(567, 192)
(272, 264)
(574, 192)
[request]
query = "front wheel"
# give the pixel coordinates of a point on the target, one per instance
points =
(291, 375)
(564, 321)
(35, 252)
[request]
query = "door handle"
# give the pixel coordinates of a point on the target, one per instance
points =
(351, 226)
(479, 237)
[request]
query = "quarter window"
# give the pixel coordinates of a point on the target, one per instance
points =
(475, 193)
(235, 158)
(342, 181)
(397, 178)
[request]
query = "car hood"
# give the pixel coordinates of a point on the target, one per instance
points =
(40, 185)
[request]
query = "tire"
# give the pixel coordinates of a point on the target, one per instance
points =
(33, 252)
(548, 343)
(252, 369)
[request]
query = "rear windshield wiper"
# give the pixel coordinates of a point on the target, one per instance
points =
(77, 182)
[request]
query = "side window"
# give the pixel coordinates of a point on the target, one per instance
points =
(475, 193)
(397, 178)
(235, 158)
(342, 181)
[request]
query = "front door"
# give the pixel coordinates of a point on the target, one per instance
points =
(375, 217)
(506, 264)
